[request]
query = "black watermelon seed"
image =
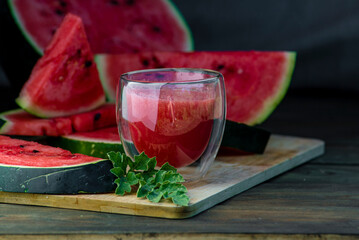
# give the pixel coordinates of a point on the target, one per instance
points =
(78, 52)
(63, 3)
(88, 64)
(145, 62)
(59, 12)
(35, 151)
(130, 2)
(97, 116)
(114, 2)
(53, 31)
(22, 146)
(155, 59)
(220, 67)
(156, 29)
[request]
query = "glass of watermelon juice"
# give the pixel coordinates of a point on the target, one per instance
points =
(175, 115)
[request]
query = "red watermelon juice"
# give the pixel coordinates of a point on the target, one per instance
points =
(172, 123)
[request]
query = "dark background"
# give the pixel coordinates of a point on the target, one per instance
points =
(324, 33)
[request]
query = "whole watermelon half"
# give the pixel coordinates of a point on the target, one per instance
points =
(255, 81)
(34, 168)
(112, 26)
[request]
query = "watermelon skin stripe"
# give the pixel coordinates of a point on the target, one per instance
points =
(92, 148)
(87, 178)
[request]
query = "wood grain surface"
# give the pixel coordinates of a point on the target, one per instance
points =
(229, 175)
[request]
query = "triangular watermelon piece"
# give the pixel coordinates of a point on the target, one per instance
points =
(65, 80)
(255, 81)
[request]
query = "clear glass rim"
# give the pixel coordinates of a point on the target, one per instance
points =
(214, 75)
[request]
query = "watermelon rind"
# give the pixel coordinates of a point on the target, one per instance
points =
(88, 146)
(182, 21)
(19, 23)
(25, 103)
(271, 103)
(5, 125)
(94, 177)
(101, 66)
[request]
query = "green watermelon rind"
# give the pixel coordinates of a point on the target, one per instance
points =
(271, 103)
(173, 9)
(62, 167)
(181, 20)
(25, 103)
(93, 177)
(5, 124)
(101, 66)
(89, 146)
(22, 28)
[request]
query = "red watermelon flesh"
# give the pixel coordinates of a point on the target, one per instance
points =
(255, 81)
(19, 122)
(15, 152)
(112, 26)
(109, 134)
(65, 80)
(102, 117)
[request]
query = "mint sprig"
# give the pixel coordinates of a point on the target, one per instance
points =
(151, 183)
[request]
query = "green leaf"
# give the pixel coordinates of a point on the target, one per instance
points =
(131, 178)
(171, 188)
(144, 189)
(159, 176)
(168, 167)
(146, 176)
(122, 186)
(181, 199)
(155, 196)
(119, 160)
(115, 158)
(153, 184)
(151, 164)
(117, 171)
(173, 177)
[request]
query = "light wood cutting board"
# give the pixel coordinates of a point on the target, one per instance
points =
(228, 176)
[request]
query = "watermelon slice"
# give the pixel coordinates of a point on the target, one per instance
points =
(112, 26)
(65, 80)
(19, 122)
(95, 143)
(99, 142)
(34, 168)
(255, 81)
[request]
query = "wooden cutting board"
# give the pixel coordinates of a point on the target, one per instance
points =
(229, 175)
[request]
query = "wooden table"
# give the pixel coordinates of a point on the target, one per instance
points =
(318, 200)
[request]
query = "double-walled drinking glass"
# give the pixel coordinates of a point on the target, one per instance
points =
(175, 115)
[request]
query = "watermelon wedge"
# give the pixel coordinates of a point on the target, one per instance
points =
(65, 80)
(98, 143)
(34, 168)
(95, 143)
(255, 81)
(112, 26)
(19, 122)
